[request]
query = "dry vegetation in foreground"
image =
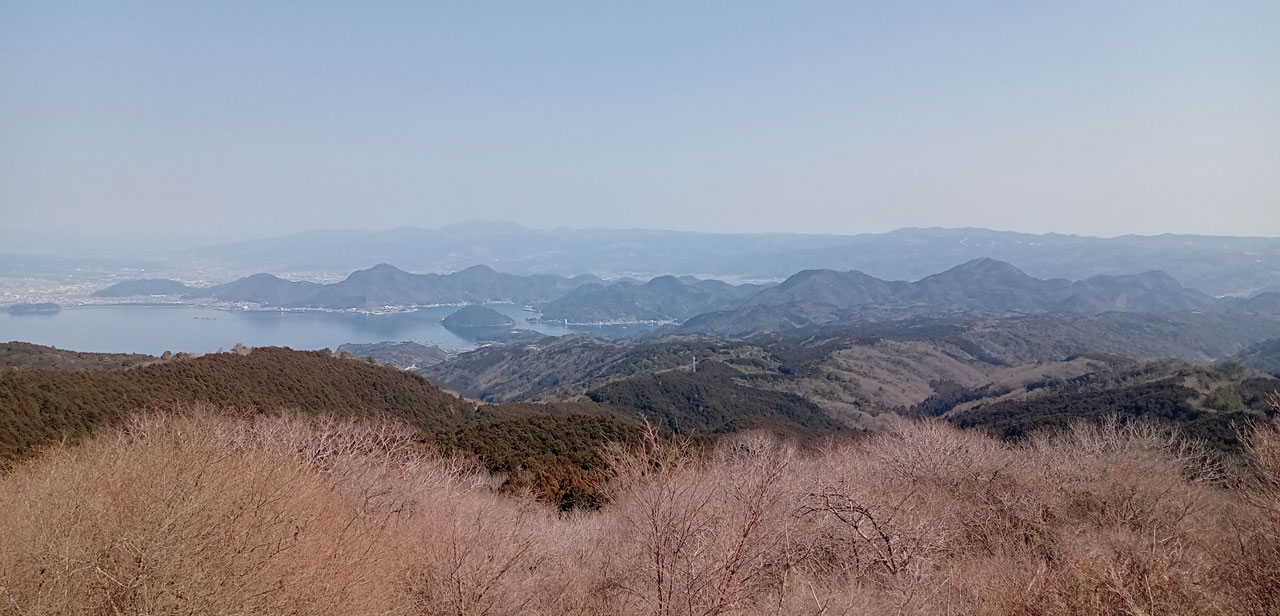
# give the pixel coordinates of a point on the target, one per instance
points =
(201, 513)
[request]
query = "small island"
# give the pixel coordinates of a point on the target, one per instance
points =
(40, 308)
(473, 317)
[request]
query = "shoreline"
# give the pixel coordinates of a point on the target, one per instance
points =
(250, 307)
(388, 310)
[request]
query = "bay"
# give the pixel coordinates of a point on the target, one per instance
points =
(156, 329)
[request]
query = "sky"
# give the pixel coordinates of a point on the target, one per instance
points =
(196, 121)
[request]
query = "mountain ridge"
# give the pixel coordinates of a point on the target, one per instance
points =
(385, 285)
(1217, 265)
(979, 285)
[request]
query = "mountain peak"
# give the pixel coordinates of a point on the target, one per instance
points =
(669, 283)
(802, 276)
(986, 269)
(987, 266)
(262, 277)
(381, 271)
(477, 269)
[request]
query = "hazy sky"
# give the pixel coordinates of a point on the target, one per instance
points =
(260, 118)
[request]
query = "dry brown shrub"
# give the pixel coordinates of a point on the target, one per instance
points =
(700, 535)
(202, 512)
(165, 518)
(1248, 558)
(208, 512)
(1102, 519)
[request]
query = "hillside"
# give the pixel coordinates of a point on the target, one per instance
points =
(1262, 303)
(567, 366)
(861, 374)
(768, 319)
(1196, 334)
(713, 400)
(1199, 336)
(1209, 404)
(1263, 356)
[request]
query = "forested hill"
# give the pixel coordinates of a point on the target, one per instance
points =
(41, 406)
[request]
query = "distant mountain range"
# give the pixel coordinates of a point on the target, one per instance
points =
(384, 285)
(817, 297)
(987, 284)
(1214, 265)
(810, 297)
(820, 296)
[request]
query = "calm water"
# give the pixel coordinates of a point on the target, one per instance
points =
(152, 329)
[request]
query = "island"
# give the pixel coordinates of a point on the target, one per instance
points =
(40, 308)
(482, 317)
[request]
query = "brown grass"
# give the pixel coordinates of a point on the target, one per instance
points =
(197, 512)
